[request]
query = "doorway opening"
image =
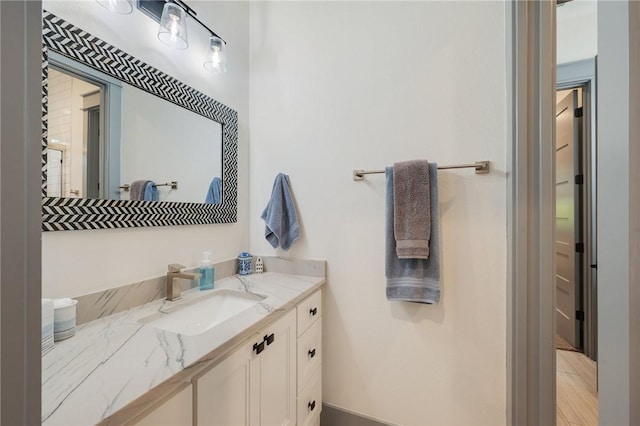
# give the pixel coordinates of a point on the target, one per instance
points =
(76, 137)
(575, 285)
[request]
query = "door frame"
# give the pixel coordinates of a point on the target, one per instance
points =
(21, 163)
(531, 78)
(110, 118)
(531, 39)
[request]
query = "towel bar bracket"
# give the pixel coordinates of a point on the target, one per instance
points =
(482, 167)
(358, 174)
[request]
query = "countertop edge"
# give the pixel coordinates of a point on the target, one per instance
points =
(139, 408)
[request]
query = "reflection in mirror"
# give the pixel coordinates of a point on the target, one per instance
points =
(161, 152)
(74, 136)
(164, 143)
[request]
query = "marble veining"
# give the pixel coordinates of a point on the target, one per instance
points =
(108, 302)
(114, 361)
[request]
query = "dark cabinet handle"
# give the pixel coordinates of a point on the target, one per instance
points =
(313, 312)
(269, 339)
(258, 347)
(312, 353)
(312, 405)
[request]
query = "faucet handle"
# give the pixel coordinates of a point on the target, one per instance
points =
(175, 267)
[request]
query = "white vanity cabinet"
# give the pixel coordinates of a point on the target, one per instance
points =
(309, 360)
(256, 384)
(177, 411)
(274, 378)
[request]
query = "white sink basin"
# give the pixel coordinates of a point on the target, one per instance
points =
(197, 316)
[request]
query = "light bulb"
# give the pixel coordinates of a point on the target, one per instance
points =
(173, 26)
(216, 61)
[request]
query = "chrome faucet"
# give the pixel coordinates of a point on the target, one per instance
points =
(175, 271)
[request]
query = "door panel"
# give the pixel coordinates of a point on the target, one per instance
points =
(223, 394)
(567, 229)
(278, 374)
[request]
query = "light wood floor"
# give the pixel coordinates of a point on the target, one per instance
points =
(577, 395)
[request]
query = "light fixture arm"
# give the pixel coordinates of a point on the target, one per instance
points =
(192, 13)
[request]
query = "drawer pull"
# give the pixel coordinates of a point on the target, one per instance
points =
(258, 347)
(312, 405)
(312, 353)
(313, 312)
(269, 339)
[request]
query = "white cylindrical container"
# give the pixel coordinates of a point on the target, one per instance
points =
(47, 326)
(64, 318)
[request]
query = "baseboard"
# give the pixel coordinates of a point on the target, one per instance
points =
(333, 416)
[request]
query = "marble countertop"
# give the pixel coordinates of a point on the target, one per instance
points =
(116, 367)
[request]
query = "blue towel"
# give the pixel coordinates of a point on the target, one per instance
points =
(214, 194)
(280, 216)
(413, 280)
(150, 191)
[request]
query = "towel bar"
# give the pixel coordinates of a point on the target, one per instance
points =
(481, 167)
(172, 184)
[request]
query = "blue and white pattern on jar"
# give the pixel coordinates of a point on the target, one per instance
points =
(244, 263)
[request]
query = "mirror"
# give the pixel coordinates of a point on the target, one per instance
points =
(135, 125)
(158, 141)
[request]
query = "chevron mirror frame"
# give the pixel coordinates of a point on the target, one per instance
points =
(66, 214)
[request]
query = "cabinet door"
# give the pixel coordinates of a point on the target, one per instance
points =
(224, 394)
(177, 411)
(278, 373)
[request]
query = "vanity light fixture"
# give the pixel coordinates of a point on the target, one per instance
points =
(117, 6)
(172, 17)
(173, 26)
(216, 60)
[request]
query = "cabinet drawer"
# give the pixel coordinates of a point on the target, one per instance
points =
(309, 310)
(309, 354)
(310, 402)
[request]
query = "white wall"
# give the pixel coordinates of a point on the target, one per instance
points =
(577, 31)
(80, 262)
(337, 86)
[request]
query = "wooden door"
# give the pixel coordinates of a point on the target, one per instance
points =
(567, 245)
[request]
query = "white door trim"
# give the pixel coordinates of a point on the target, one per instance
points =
(531, 50)
(20, 220)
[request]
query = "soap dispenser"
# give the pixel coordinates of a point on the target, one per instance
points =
(206, 272)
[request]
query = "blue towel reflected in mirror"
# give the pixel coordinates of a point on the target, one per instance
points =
(150, 191)
(143, 190)
(214, 194)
